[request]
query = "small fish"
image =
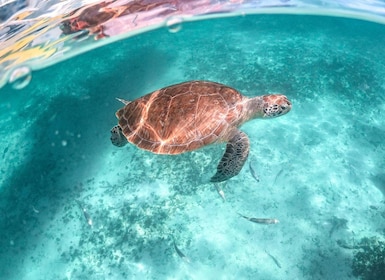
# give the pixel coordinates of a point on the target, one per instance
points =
(260, 220)
(277, 176)
(125, 102)
(35, 210)
(220, 191)
(274, 259)
(180, 254)
(85, 213)
(253, 173)
(4, 152)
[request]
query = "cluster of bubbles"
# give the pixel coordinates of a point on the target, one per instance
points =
(21, 76)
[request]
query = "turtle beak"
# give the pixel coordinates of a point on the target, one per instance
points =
(286, 106)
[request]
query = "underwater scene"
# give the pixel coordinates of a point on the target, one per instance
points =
(307, 204)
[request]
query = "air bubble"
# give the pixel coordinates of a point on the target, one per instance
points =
(174, 24)
(20, 77)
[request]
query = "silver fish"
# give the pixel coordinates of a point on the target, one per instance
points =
(277, 176)
(35, 210)
(220, 191)
(274, 259)
(125, 102)
(85, 213)
(260, 220)
(5, 151)
(253, 173)
(180, 254)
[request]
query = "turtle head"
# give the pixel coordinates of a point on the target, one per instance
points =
(275, 105)
(117, 137)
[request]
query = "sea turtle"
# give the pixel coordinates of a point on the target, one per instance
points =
(190, 115)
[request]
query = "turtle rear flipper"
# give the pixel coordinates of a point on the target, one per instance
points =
(234, 158)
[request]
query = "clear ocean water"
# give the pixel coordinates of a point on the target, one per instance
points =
(320, 167)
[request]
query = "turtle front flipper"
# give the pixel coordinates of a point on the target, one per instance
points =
(117, 137)
(234, 158)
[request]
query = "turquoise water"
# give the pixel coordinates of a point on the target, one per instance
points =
(321, 167)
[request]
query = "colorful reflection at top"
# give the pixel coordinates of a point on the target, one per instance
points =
(36, 33)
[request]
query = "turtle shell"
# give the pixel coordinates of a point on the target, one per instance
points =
(181, 117)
